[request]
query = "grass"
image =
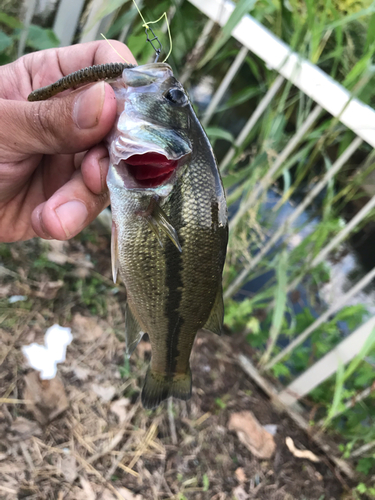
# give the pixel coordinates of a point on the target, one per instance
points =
(334, 36)
(180, 450)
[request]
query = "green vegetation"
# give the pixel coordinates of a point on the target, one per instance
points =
(10, 31)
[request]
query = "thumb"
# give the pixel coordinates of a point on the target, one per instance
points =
(66, 124)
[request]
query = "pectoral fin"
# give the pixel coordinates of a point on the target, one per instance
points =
(215, 321)
(114, 253)
(159, 223)
(133, 331)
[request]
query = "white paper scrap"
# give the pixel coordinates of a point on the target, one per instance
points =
(44, 359)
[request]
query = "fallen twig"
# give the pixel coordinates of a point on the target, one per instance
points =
(300, 453)
(172, 424)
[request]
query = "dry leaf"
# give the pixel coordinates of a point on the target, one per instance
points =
(58, 251)
(58, 245)
(318, 476)
(48, 290)
(105, 393)
(119, 408)
(82, 272)
(69, 467)
(252, 435)
(5, 290)
(90, 490)
(86, 329)
(129, 495)
(81, 373)
(57, 257)
(47, 397)
(240, 475)
(87, 490)
(81, 259)
(240, 494)
(300, 453)
(23, 429)
(8, 488)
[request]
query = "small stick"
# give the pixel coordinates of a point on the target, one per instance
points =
(14, 401)
(172, 424)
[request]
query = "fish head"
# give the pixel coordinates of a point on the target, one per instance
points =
(149, 144)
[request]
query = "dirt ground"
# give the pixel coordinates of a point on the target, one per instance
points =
(105, 446)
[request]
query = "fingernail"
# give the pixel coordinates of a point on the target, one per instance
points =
(103, 165)
(88, 106)
(72, 216)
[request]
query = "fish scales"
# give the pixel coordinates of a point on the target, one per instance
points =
(172, 314)
(171, 294)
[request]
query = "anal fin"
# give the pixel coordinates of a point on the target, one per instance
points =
(133, 331)
(158, 387)
(215, 321)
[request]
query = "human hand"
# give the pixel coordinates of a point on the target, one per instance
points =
(52, 166)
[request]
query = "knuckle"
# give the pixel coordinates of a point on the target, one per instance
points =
(101, 201)
(49, 119)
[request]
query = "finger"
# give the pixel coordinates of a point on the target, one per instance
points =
(94, 169)
(68, 211)
(78, 158)
(68, 124)
(57, 170)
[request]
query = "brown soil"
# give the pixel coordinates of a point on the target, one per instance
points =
(105, 445)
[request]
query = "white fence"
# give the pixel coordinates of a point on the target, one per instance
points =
(328, 95)
(357, 116)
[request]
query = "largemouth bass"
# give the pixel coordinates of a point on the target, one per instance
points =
(169, 225)
(170, 231)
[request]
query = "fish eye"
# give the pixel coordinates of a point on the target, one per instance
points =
(176, 96)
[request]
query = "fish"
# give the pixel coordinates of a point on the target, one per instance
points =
(169, 218)
(170, 225)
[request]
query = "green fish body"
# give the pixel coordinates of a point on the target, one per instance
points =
(169, 225)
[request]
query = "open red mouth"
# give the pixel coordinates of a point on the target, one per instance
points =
(150, 169)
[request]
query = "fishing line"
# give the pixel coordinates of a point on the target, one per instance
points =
(106, 39)
(147, 27)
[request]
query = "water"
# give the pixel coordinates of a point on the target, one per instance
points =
(354, 260)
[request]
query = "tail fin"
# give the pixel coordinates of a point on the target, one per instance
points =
(159, 387)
